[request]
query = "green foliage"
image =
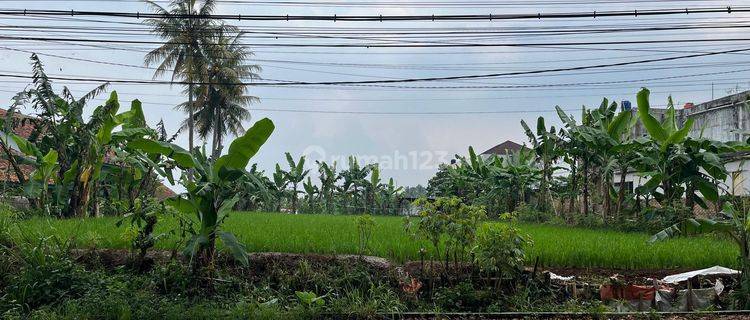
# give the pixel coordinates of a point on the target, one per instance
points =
(365, 227)
(46, 275)
(449, 220)
(68, 151)
(212, 190)
(143, 218)
(499, 249)
(310, 299)
(736, 224)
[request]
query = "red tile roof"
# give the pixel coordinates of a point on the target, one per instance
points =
(8, 174)
(24, 130)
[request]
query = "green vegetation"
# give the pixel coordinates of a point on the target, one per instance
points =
(558, 246)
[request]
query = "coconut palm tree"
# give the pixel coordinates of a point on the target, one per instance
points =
(221, 97)
(186, 42)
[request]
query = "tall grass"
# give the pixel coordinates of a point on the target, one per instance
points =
(555, 246)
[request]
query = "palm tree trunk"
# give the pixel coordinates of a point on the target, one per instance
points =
(216, 145)
(191, 124)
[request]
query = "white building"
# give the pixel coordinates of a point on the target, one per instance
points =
(725, 119)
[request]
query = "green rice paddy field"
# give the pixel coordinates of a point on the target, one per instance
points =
(556, 246)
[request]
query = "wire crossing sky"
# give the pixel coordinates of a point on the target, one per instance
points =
(407, 87)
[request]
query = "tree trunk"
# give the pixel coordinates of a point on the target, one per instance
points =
(14, 164)
(294, 199)
(621, 192)
(191, 123)
(573, 187)
(216, 145)
(607, 199)
(585, 187)
(689, 202)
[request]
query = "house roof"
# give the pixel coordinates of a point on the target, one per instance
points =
(21, 130)
(504, 148)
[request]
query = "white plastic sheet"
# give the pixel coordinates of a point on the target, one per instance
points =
(715, 270)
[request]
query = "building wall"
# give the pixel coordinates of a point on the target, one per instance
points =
(722, 120)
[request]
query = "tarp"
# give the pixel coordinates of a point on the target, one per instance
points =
(557, 277)
(715, 270)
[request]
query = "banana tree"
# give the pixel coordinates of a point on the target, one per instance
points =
(372, 188)
(353, 182)
(46, 166)
(211, 188)
(675, 163)
(546, 145)
(389, 195)
(7, 127)
(312, 195)
(280, 183)
(521, 171)
(295, 176)
(328, 179)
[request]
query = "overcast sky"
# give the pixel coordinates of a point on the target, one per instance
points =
(418, 142)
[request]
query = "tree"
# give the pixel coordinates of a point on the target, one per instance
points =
(295, 176)
(545, 144)
(280, 183)
(312, 195)
(186, 41)
(676, 164)
(221, 97)
(211, 188)
(389, 195)
(353, 182)
(372, 189)
(79, 146)
(328, 178)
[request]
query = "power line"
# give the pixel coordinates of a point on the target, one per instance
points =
(381, 18)
(386, 81)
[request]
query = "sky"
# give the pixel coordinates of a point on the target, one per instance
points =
(410, 131)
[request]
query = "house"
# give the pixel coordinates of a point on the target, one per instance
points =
(724, 119)
(25, 129)
(502, 150)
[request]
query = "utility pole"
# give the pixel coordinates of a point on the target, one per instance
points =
(712, 91)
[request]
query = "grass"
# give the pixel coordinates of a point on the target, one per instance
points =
(556, 246)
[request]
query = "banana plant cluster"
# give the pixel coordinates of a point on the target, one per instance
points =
(357, 189)
(212, 187)
(676, 165)
(500, 184)
(68, 152)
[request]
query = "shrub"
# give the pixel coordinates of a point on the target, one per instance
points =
(365, 226)
(499, 250)
(450, 219)
(527, 213)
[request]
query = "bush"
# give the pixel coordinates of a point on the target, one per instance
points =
(499, 250)
(527, 213)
